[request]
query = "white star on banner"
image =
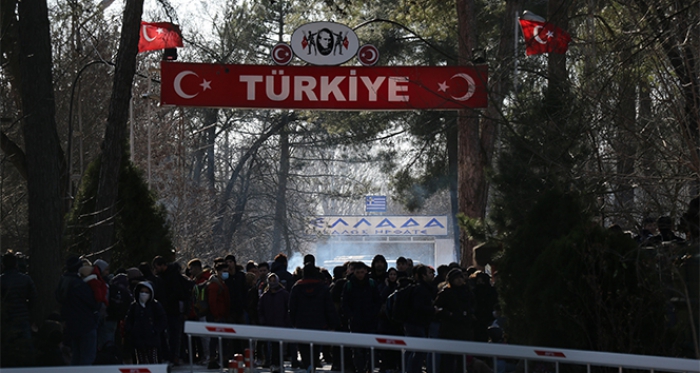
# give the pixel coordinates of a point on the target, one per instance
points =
(206, 84)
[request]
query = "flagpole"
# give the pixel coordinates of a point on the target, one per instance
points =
(515, 56)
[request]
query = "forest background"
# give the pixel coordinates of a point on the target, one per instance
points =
(570, 144)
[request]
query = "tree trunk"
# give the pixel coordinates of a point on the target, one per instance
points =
(42, 153)
(453, 169)
(115, 134)
(477, 136)
(280, 224)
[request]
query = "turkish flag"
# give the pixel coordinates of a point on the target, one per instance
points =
(544, 37)
(159, 35)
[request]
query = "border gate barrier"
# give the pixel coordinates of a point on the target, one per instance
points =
(376, 342)
(154, 368)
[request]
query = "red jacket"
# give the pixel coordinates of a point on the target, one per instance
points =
(98, 286)
(219, 299)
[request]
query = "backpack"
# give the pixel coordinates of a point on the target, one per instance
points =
(200, 300)
(120, 297)
(398, 304)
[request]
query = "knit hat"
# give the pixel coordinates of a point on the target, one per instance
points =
(73, 263)
(134, 273)
(453, 274)
(85, 271)
(102, 265)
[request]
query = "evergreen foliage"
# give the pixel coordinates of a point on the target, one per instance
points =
(141, 229)
(564, 281)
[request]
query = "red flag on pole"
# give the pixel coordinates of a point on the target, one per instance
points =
(544, 37)
(159, 35)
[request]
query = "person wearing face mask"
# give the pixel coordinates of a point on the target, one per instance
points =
(218, 294)
(219, 305)
(145, 323)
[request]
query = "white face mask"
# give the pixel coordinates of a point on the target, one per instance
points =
(224, 275)
(144, 297)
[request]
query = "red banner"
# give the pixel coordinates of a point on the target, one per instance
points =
(323, 87)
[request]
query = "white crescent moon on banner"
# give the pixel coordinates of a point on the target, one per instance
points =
(145, 34)
(536, 32)
(177, 84)
(277, 54)
(374, 55)
(470, 83)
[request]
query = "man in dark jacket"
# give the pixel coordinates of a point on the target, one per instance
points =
(422, 312)
(79, 310)
(311, 307)
(174, 298)
(361, 303)
(279, 266)
(18, 297)
(273, 311)
(455, 311)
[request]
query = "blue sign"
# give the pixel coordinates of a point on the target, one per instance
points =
(378, 225)
(375, 203)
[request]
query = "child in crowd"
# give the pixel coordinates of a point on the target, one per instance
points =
(145, 323)
(91, 275)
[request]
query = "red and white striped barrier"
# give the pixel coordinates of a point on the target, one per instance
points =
(159, 368)
(385, 342)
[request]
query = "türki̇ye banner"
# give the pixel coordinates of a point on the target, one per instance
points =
(324, 87)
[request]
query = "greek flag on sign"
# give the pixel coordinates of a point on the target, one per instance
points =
(375, 203)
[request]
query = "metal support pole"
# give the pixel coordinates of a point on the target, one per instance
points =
(251, 348)
(342, 359)
(371, 356)
(281, 356)
(189, 342)
(312, 358)
(221, 353)
(403, 360)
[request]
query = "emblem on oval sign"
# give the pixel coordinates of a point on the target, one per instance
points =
(324, 43)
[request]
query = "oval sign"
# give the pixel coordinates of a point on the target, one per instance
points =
(324, 43)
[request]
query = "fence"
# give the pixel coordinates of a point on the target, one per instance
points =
(384, 342)
(156, 368)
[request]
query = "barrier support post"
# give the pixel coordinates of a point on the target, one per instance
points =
(189, 342)
(221, 352)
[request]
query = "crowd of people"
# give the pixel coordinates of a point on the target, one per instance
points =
(136, 315)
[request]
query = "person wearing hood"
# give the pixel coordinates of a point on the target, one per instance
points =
(361, 304)
(145, 323)
(455, 311)
(378, 270)
(311, 307)
(279, 266)
(272, 311)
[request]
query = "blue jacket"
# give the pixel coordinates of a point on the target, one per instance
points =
(79, 309)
